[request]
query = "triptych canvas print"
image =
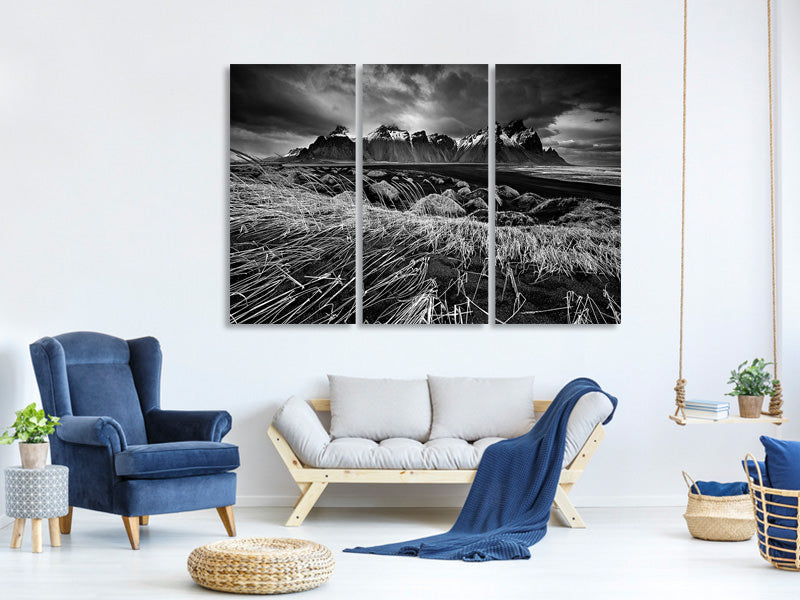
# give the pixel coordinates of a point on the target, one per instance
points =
(427, 210)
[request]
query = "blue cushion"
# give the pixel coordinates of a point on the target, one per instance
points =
(176, 459)
(714, 488)
(753, 472)
(783, 463)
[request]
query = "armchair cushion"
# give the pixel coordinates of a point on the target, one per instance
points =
(186, 425)
(92, 431)
(176, 459)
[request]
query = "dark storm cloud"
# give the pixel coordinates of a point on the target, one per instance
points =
(275, 108)
(450, 99)
(574, 107)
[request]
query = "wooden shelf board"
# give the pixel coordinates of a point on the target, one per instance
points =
(733, 419)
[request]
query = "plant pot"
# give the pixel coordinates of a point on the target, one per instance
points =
(34, 456)
(750, 406)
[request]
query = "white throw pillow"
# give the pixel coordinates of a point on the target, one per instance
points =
(379, 409)
(471, 408)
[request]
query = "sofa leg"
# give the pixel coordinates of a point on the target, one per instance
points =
(568, 511)
(306, 503)
(144, 520)
(65, 522)
(303, 489)
(132, 529)
(226, 514)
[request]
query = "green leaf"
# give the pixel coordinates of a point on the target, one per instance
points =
(31, 425)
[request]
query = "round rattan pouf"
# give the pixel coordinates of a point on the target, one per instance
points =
(261, 565)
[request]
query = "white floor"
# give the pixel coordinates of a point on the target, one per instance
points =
(624, 553)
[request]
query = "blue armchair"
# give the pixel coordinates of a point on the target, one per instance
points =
(125, 455)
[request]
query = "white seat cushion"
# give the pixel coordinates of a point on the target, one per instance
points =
(403, 453)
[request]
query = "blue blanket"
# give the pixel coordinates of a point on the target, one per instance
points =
(508, 505)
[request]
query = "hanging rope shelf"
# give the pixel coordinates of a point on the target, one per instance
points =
(775, 412)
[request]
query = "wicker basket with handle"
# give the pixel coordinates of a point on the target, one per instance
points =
(719, 518)
(776, 516)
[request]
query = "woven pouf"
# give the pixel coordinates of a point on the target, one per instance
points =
(261, 565)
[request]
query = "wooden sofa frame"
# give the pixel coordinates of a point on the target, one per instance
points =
(312, 481)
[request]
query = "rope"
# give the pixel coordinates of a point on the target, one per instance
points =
(680, 385)
(776, 401)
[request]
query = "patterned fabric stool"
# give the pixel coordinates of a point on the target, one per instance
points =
(261, 565)
(37, 494)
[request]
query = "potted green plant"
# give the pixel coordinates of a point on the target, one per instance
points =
(31, 430)
(751, 382)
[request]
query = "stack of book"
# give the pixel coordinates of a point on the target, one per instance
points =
(703, 409)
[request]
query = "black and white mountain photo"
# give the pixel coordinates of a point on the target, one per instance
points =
(557, 203)
(425, 209)
(292, 194)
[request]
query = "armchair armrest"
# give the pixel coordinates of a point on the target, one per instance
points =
(302, 429)
(92, 431)
(186, 425)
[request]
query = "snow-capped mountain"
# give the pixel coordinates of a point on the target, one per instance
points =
(389, 143)
(336, 146)
(514, 143)
(473, 148)
(527, 138)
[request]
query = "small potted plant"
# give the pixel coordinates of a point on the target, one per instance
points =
(751, 382)
(31, 430)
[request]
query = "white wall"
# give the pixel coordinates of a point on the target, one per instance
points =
(787, 146)
(113, 172)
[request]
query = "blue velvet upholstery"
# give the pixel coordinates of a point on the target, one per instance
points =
(127, 456)
(186, 425)
(160, 496)
(175, 459)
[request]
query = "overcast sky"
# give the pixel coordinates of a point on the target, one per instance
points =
(275, 108)
(450, 99)
(575, 108)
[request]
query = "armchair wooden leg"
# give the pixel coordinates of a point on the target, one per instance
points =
(65, 522)
(568, 511)
(226, 514)
(306, 503)
(144, 520)
(132, 529)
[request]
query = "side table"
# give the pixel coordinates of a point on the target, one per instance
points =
(37, 494)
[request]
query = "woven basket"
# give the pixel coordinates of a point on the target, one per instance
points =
(261, 565)
(776, 517)
(719, 518)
